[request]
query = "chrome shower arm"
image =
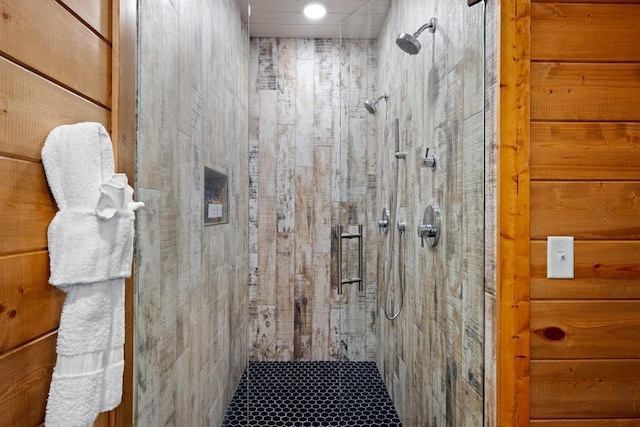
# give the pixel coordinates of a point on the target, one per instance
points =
(431, 25)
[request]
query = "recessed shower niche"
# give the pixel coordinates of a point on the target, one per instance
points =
(216, 201)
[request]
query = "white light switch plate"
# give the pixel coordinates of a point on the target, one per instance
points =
(559, 257)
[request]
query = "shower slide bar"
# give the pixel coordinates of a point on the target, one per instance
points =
(339, 235)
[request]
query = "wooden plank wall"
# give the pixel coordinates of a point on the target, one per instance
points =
(308, 172)
(585, 182)
(55, 68)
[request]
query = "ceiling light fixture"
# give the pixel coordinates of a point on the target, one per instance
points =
(314, 10)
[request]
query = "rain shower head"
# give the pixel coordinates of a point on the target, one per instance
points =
(409, 43)
(371, 106)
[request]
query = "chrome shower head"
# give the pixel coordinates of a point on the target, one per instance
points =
(409, 43)
(371, 106)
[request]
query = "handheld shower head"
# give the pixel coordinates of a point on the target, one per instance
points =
(409, 43)
(371, 106)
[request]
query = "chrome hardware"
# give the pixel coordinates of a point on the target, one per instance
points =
(429, 161)
(429, 230)
(383, 224)
(402, 227)
(339, 236)
(401, 155)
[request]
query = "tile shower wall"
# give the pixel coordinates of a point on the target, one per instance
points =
(306, 176)
(431, 357)
(191, 293)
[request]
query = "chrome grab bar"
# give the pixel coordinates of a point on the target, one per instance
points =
(339, 235)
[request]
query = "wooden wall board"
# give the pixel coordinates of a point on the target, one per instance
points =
(27, 206)
(559, 31)
(29, 305)
(610, 422)
(585, 91)
(98, 16)
(597, 259)
(30, 106)
(59, 47)
(603, 270)
(25, 374)
(585, 388)
(585, 151)
(588, 1)
(585, 329)
(585, 210)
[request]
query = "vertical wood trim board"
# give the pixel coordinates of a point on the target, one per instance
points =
(122, 14)
(513, 215)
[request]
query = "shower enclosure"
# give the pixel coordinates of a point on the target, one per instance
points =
(322, 168)
(312, 170)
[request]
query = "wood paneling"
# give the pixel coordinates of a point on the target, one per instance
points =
(585, 210)
(585, 151)
(55, 68)
(59, 46)
(585, 168)
(27, 206)
(25, 374)
(30, 106)
(29, 306)
(96, 14)
(603, 270)
(585, 388)
(585, 92)
(585, 329)
(559, 32)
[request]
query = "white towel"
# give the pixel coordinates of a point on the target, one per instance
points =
(90, 248)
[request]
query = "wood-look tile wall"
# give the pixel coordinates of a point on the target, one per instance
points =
(191, 292)
(431, 357)
(310, 169)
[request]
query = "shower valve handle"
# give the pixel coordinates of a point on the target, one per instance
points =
(429, 161)
(383, 224)
(429, 230)
(426, 230)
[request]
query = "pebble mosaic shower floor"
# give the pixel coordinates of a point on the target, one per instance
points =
(311, 394)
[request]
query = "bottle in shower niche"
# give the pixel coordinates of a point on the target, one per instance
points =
(215, 197)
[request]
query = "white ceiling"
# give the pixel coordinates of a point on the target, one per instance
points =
(284, 18)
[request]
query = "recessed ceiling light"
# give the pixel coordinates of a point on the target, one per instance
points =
(314, 10)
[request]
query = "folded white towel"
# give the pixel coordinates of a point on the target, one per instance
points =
(90, 248)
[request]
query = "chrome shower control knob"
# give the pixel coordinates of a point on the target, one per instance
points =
(429, 161)
(429, 230)
(383, 224)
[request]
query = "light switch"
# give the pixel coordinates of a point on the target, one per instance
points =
(560, 257)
